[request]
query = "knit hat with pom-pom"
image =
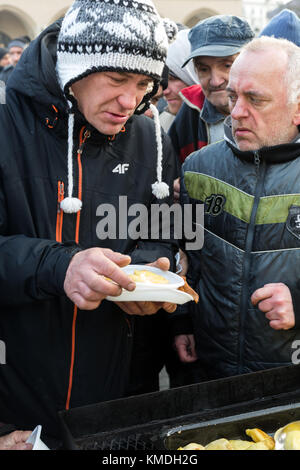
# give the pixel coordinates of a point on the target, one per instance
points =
(111, 35)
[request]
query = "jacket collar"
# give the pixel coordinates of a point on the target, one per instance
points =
(275, 154)
(194, 97)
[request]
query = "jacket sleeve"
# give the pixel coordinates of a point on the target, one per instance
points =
(149, 250)
(181, 320)
(30, 268)
(295, 293)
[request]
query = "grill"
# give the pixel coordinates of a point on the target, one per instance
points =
(196, 413)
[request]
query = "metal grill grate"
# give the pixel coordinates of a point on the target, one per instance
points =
(131, 442)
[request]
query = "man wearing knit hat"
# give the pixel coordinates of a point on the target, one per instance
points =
(15, 49)
(75, 143)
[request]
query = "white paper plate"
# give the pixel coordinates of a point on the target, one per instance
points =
(151, 295)
(35, 439)
(154, 292)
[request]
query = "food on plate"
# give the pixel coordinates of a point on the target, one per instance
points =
(145, 276)
(186, 288)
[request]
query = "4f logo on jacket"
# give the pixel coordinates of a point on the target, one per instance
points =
(122, 168)
(214, 204)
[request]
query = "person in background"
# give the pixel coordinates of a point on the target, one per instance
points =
(15, 50)
(4, 58)
(247, 273)
(159, 94)
(215, 44)
(178, 77)
(284, 25)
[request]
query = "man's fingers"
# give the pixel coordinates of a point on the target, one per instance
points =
(116, 257)
(84, 304)
(265, 305)
(262, 293)
(161, 263)
(113, 272)
(170, 308)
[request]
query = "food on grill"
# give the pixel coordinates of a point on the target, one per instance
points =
(289, 436)
(192, 446)
(260, 441)
(219, 444)
(260, 436)
(146, 276)
(239, 444)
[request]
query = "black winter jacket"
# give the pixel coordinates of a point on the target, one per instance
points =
(251, 238)
(37, 242)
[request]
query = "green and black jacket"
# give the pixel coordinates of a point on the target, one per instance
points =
(251, 238)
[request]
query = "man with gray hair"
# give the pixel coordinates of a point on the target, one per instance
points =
(247, 273)
(215, 43)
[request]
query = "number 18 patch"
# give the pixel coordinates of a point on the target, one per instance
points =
(214, 204)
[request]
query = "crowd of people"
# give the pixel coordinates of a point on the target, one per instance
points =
(112, 100)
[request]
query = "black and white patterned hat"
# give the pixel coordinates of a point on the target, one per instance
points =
(119, 35)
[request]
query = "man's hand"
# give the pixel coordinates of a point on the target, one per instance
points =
(185, 347)
(85, 282)
(276, 302)
(184, 263)
(149, 308)
(176, 189)
(15, 441)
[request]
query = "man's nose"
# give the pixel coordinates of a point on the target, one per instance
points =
(238, 110)
(166, 91)
(216, 79)
(128, 99)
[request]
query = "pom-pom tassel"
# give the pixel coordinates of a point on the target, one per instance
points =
(159, 189)
(70, 205)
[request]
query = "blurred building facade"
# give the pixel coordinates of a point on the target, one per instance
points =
(30, 17)
(258, 12)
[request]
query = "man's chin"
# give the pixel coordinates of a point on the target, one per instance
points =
(245, 146)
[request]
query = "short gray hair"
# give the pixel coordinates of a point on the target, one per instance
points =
(293, 61)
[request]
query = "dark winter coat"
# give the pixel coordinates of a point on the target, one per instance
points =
(251, 238)
(44, 338)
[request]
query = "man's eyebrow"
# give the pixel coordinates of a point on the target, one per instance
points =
(249, 92)
(129, 74)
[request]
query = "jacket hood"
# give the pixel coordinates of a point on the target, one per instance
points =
(275, 154)
(35, 75)
(193, 96)
(35, 78)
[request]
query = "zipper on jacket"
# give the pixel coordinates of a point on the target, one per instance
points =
(60, 213)
(260, 167)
